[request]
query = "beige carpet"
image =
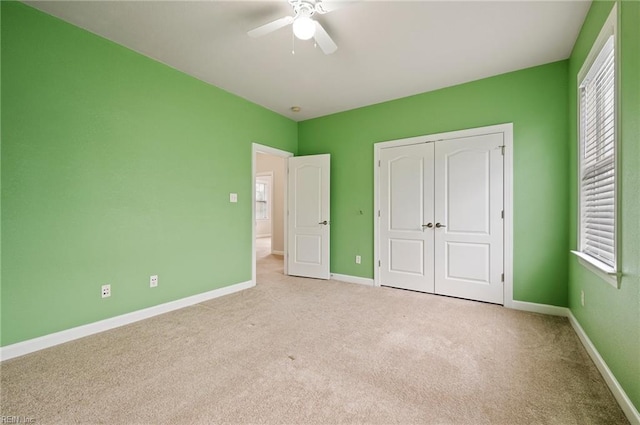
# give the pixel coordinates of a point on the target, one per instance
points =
(302, 351)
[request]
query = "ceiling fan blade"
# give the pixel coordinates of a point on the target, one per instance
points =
(324, 41)
(270, 27)
(323, 6)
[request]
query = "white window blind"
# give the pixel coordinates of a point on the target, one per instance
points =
(597, 160)
(262, 213)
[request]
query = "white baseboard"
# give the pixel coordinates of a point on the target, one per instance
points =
(46, 341)
(277, 252)
(550, 310)
(621, 396)
(352, 279)
(266, 235)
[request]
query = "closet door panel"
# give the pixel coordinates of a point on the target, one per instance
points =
(468, 215)
(406, 209)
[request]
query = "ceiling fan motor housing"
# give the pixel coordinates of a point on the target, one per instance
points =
(303, 8)
(308, 8)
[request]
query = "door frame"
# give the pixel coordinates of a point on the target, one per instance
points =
(257, 148)
(507, 131)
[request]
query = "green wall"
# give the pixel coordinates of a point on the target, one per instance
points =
(611, 317)
(535, 100)
(116, 167)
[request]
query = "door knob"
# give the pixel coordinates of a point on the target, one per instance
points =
(324, 222)
(429, 225)
(438, 225)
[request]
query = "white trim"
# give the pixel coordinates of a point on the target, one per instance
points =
(25, 347)
(547, 309)
(277, 252)
(610, 27)
(507, 130)
(410, 141)
(352, 279)
(620, 395)
(604, 272)
(255, 149)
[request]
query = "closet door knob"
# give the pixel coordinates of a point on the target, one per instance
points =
(428, 225)
(324, 222)
(438, 225)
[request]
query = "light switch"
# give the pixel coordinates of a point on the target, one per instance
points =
(233, 197)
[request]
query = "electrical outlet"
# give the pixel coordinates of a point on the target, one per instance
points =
(358, 259)
(106, 291)
(582, 298)
(153, 281)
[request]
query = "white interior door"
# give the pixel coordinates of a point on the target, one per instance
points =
(406, 217)
(468, 213)
(309, 221)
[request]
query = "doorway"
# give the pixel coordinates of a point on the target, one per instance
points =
(300, 219)
(269, 197)
(444, 214)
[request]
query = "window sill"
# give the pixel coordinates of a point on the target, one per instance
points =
(606, 273)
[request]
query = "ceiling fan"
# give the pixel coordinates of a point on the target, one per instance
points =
(304, 27)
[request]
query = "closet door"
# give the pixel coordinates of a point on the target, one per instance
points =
(469, 226)
(406, 217)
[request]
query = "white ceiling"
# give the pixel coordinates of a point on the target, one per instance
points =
(386, 49)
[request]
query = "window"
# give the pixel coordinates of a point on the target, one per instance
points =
(597, 132)
(262, 211)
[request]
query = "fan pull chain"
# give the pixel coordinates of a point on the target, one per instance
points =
(293, 43)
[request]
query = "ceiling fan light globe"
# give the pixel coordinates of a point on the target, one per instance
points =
(304, 28)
